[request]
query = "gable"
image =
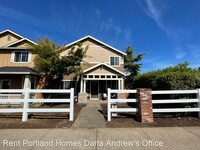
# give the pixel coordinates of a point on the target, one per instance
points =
(96, 52)
(102, 68)
(95, 41)
(21, 44)
(8, 38)
(91, 42)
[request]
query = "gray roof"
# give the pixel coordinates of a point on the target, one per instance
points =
(17, 70)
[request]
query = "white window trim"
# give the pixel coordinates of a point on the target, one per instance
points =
(114, 65)
(13, 57)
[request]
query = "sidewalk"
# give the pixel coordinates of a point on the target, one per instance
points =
(90, 116)
(101, 139)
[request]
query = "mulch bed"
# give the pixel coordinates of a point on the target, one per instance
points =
(40, 120)
(129, 120)
(61, 120)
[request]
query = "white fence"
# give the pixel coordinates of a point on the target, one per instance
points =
(10, 96)
(155, 101)
(170, 101)
(112, 100)
(25, 100)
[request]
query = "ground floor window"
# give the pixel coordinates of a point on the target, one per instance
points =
(112, 84)
(96, 88)
(5, 84)
(69, 84)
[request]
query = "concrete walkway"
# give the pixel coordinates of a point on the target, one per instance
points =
(90, 116)
(101, 139)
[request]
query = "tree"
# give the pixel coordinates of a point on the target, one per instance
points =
(51, 65)
(179, 77)
(132, 65)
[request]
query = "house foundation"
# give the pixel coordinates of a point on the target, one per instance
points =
(82, 97)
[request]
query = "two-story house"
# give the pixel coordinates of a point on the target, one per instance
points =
(102, 68)
(16, 62)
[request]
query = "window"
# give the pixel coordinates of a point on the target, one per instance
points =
(114, 61)
(21, 56)
(96, 76)
(69, 84)
(103, 76)
(5, 84)
(108, 76)
(90, 76)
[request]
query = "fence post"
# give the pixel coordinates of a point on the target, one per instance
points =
(26, 105)
(145, 112)
(109, 105)
(71, 113)
(198, 97)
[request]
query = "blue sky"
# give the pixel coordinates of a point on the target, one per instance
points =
(167, 31)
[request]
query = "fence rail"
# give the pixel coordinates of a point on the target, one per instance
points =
(156, 101)
(11, 97)
(26, 99)
(170, 101)
(111, 101)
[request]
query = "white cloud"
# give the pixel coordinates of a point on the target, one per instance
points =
(179, 35)
(194, 50)
(180, 55)
(155, 11)
(180, 52)
(151, 59)
(22, 17)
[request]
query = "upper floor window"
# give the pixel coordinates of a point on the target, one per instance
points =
(114, 61)
(20, 56)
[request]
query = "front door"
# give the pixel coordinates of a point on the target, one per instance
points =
(94, 90)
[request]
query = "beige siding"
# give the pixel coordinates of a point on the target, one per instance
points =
(120, 68)
(91, 42)
(4, 39)
(97, 53)
(100, 54)
(101, 70)
(23, 44)
(16, 80)
(5, 59)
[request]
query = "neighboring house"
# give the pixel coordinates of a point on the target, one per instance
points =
(102, 68)
(16, 62)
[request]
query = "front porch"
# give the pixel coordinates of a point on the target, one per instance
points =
(95, 86)
(16, 78)
(94, 81)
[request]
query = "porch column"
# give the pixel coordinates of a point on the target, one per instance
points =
(75, 88)
(81, 86)
(122, 83)
(84, 86)
(27, 82)
(119, 84)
